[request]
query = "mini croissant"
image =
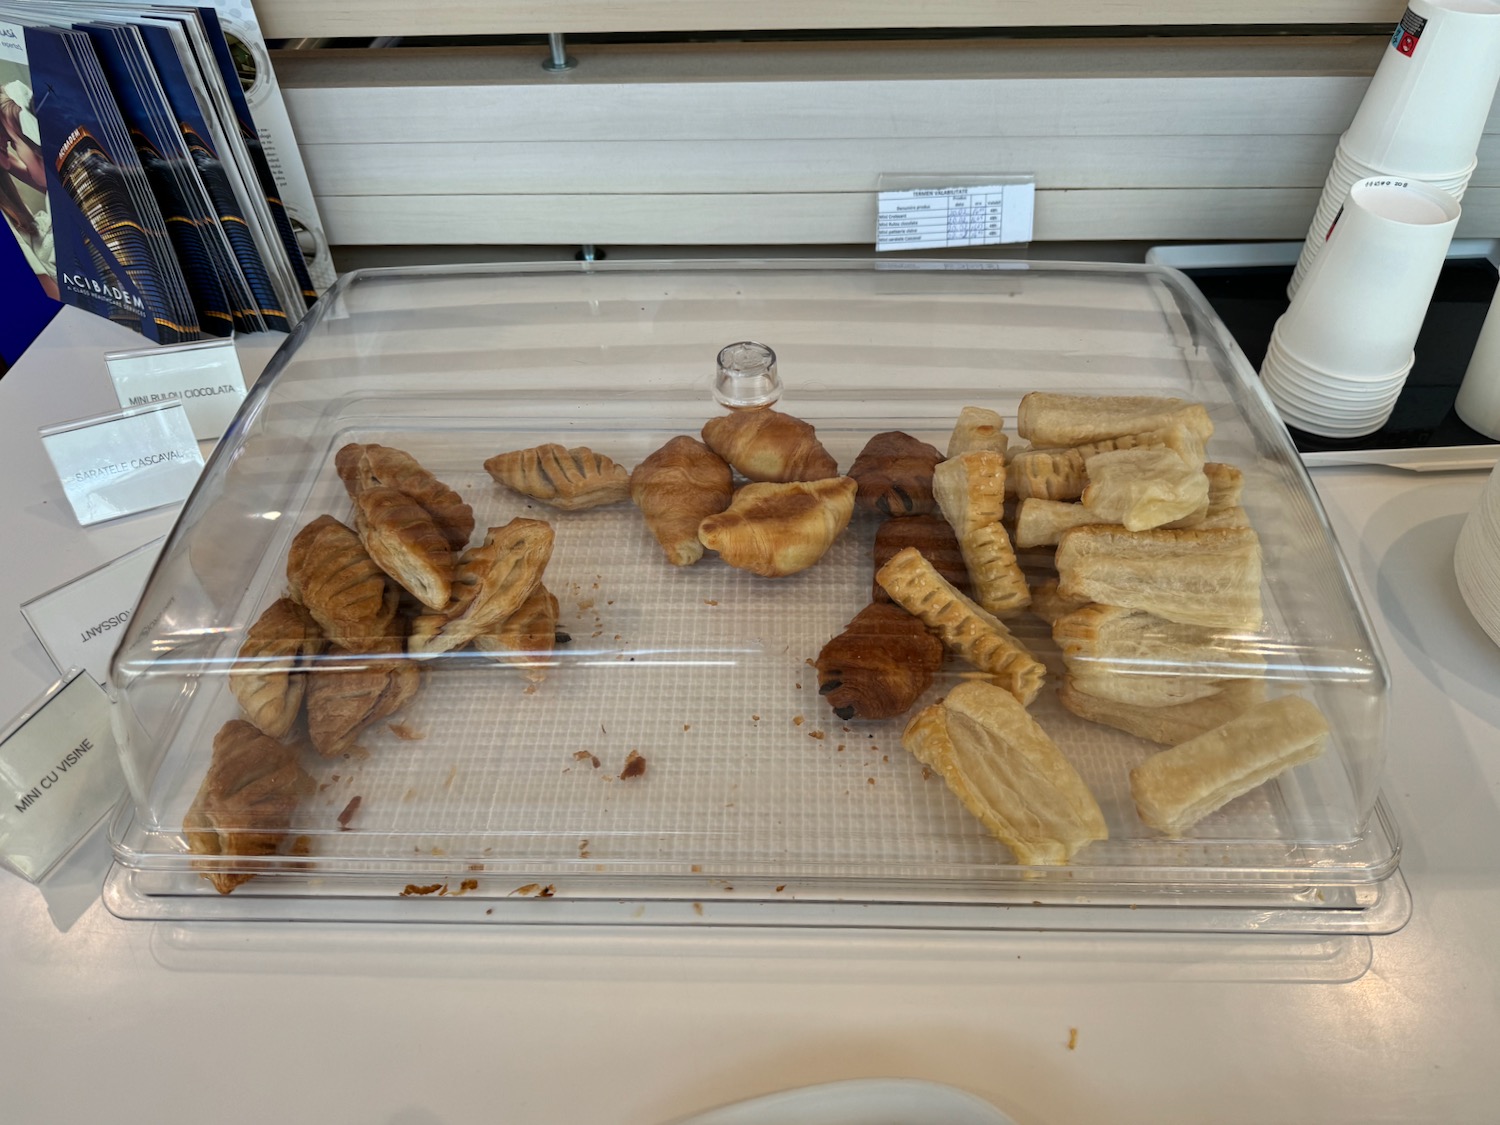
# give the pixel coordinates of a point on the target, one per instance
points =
(268, 677)
(362, 465)
(894, 474)
(246, 802)
(570, 479)
(766, 445)
(779, 529)
(676, 488)
(491, 583)
(330, 572)
(879, 665)
(405, 542)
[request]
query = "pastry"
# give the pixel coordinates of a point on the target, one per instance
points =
(569, 479)
(1197, 577)
(348, 692)
(245, 803)
(894, 475)
(1165, 725)
(977, 429)
(779, 529)
(1008, 773)
(1140, 644)
(1040, 523)
(970, 489)
(330, 572)
(405, 542)
(525, 638)
(361, 465)
(934, 540)
(1176, 788)
(1049, 474)
(491, 582)
(267, 677)
(879, 665)
(964, 627)
(1143, 488)
(676, 488)
(767, 445)
(1047, 419)
(1048, 604)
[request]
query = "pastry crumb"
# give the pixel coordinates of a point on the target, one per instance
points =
(422, 889)
(698, 908)
(926, 774)
(546, 892)
(709, 601)
(439, 851)
(798, 720)
(635, 766)
(349, 810)
(755, 718)
(1072, 1039)
(816, 734)
(810, 662)
(696, 869)
(841, 747)
(870, 781)
(406, 732)
(528, 889)
(583, 849)
(687, 726)
(491, 910)
(585, 605)
(476, 867)
(780, 887)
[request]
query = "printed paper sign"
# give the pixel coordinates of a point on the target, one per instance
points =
(205, 377)
(80, 623)
(120, 464)
(59, 773)
(938, 218)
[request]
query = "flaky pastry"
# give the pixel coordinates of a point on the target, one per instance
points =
(491, 582)
(347, 692)
(977, 428)
(970, 490)
(775, 530)
(879, 665)
(1143, 488)
(405, 542)
(569, 479)
(933, 538)
(1049, 419)
(349, 596)
(767, 445)
(526, 638)
(1165, 725)
(268, 674)
(677, 488)
(362, 465)
(894, 475)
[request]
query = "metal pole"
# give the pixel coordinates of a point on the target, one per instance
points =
(558, 59)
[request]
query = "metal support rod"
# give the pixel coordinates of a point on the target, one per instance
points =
(558, 59)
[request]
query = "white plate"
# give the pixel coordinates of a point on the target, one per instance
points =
(865, 1101)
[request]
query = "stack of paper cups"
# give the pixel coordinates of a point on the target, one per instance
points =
(1424, 111)
(1478, 402)
(1476, 559)
(1341, 353)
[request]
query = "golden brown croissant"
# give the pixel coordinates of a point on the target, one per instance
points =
(934, 540)
(894, 475)
(766, 445)
(267, 678)
(879, 665)
(330, 572)
(676, 488)
(246, 802)
(493, 579)
(405, 542)
(360, 465)
(778, 529)
(570, 479)
(525, 638)
(347, 693)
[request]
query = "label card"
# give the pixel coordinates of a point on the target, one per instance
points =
(204, 376)
(59, 773)
(80, 622)
(940, 217)
(119, 464)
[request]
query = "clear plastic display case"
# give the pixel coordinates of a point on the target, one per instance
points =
(672, 760)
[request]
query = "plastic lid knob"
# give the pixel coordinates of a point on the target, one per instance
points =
(747, 376)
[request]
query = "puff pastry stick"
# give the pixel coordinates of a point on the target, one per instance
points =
(1008, 773)
(330, 572)
(879, 665)
(361, 465)
(526, 638)
(894, 475)
(1040, 523)
(677, 488)
(1165, 725)
(1050, 605)
(1143, 488)
(1176, 788)
(268, 677)
(1049, 419)
(767, 445)
(779, 529)
(1114, 638)
(965, 628)
(346, 693)
(933, 538)
(1198, 577)
(977, 428)
(405, 542)
(245, 804)
(970, 489)
(569, 479)
(492, 581)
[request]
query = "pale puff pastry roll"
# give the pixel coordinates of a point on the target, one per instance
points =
(978, 429)
(1041, 523)
(1049, 419)
(1143, 488)
(1176, 788)
(970, 490)
(1168, 725)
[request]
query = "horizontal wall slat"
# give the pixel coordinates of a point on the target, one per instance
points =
(844, 217)
(333, 18)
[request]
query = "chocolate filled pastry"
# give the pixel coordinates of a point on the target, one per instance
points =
(569, 479)
(934, 540)
(879, 665)
(348, 692)
(766, 445)
(246, 802)
(779, 529)
(894, 475)
(362, 465)
(491, 582)
(676, 489)
(268, 675)
(349, 596)
(405, 542)
(525, 638)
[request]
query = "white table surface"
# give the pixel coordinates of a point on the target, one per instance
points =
(104, 1020)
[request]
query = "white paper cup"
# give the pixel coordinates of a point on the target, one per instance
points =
(1476, 558)
(1426, 106)
(1478, 402)
(1362, 302)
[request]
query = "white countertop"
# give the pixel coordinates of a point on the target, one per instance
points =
(107, 1020)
